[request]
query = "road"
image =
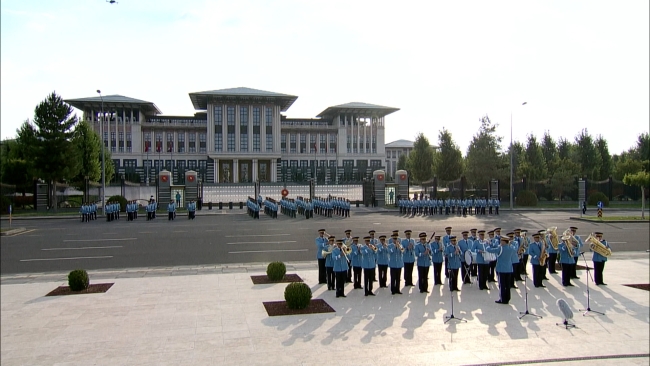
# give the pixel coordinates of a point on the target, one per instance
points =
(233, 237)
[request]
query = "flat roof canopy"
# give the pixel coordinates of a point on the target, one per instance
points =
(200, 100)
(358, 108)
(112, 101)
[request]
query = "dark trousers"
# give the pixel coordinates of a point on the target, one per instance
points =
(423, 278)
(453, 279)
(598, 272)
(483, 270)
(383, 275)
(504, 287)
(357, 277)
(474, 269)
(340, 282)
(367, 279)
(537, 275)
(446, 267)
(513, 274)
(331, 279)
(395, 274)
(492, 273)
(321, 271)
(348, 277)
(408, 274)
(170, 216)
(464, 272)
(524, 262)
(437, 273)
(552, 258)
(574, 269)
(518, 270)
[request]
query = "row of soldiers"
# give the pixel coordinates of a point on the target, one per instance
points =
(492, 255)
(329, 206)
(88, 211)
(431, 206)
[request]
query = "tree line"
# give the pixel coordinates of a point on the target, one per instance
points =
(555, 163)
(54, 147)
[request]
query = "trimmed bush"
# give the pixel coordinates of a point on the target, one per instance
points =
(276, 271)
(593, 199)
(78, 280)
(526, 198)
(297, 295)
(119, 199)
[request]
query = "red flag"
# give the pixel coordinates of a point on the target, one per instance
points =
(170, 146)
(158, 146)
(147, 146)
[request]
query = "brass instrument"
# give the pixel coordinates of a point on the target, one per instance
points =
(399, 247)
(523, 247)
(598, 247)
(373, 247)
(569, 246)
(325, 253)
(555, 241)
(543, 256)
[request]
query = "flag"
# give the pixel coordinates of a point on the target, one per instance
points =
(147, 146)
(315, 147)
(158, 146)
(170, 146)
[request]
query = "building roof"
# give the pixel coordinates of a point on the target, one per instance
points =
(200, 99)
(114, 100)
(400, 144)
(358, 108)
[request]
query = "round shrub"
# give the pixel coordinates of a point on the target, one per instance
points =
(78, 280)
(593, 199)
(297, 295)
(526, 198)
(276, 271)
(119, 199)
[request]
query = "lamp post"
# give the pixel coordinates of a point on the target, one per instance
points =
(101, 127)
(512, 190)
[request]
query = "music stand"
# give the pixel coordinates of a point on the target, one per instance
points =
(588, 309)
(524, 313)
(451, 293)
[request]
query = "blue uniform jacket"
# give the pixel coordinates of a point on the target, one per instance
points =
(340, 263)
(424, 260)
(454, 259)
(368, 257)
(565, 258)
(534, 251)
(382, 255)
(321, 244)
(478, 248)
(356, 256)
(409, 254)
(599, 258)
(329, 262)
(438, 255)
(505, 257)
(394, 257)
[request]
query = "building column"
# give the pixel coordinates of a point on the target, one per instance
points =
(216, 170)
(255, 170)
(235, 170)
(274, 169)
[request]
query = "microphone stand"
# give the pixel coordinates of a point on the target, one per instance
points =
(588, 309)
(451, 293)
(524, 313)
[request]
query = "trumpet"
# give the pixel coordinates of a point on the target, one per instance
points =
(372, 247)
(399, 247)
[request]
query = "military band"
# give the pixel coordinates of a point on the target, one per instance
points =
(337, 257)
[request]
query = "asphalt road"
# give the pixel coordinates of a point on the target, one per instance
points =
(233, 237)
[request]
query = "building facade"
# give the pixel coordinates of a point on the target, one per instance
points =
(239, 135)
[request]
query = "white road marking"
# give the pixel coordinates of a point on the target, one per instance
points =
(121, 239)
(617, 242)
(179, 231)
(63, 259)
(110, 246)
(21, 233)
(145, 232)
(213, 230)
(242, 236)
(269, 251)
(262, 242)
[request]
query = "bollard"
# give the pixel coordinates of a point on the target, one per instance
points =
(230, 205)
(209, 205)
(221, 205)
(600, 212)
(357, 204)
(241, 205)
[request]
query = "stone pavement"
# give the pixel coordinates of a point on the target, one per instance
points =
(214, 315)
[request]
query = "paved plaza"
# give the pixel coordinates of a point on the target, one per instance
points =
(213, 315)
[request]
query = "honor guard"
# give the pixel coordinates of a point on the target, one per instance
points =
(473, 238)
(423, 254)
(329, 264)
(515, 261)
(356, 258)
(534, 252)
(191, 210)
(171, 210)
(446, 242)
(347, 242)
(374, 242)
(566, 259)
(453, 254)
(480, 248)
(464, 244)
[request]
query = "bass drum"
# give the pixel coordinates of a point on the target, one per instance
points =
(470, 258)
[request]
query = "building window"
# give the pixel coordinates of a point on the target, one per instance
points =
(348, 163)
(303, 143)
(269, 142)
(349, 144)
(323, 144)
(256, 142)
(256, 129)
(243, 128)
(269, 116)
(230, 115)
(312, 143)
(354, 145)
(170, 142)
(113, 142)
(283, 143)
(292, 145)
(181, 142)
(192, 142)
(130, 163)
(159, 142)
(121, 142)
(374, 144)
(191, 164)
(202, 139)
(375, 163)
(332, 147)
(129, 146)
(147, 142)
(218, 115)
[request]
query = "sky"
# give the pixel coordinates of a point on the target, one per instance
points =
(444, 64)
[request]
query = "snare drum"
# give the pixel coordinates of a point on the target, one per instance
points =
(489, 257)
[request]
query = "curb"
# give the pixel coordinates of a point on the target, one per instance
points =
(611, 221)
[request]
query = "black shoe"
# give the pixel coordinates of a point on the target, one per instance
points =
(545, 279)
(514, 287)
(343, 296)
(499, 302)
(399, 292)
(371, 294)
(601, 284)
(576, 277)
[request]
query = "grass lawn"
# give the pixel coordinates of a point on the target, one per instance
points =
(616, 218)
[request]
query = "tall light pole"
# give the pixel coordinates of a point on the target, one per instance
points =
(101, 136)
(512, 190)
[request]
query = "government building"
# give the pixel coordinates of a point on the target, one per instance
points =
(239, 135)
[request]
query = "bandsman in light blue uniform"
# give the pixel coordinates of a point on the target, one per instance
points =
(480, 247)
(505, 257)
(395, 263)
(453, 254)
(321, 246)
(423, 254)
(191, 210)
(340, 267)
(408, 257)
(382, 259)
(368, 263)
(566, 259)
(576, 252)
(329, 264)
(438, 251)
(599, 261)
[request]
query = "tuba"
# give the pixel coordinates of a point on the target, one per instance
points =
(598, 247)
(325, 253)
(554, 238)
(543, 256)
(523, 247)
(569, 245)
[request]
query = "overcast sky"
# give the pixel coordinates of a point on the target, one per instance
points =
(577, 64)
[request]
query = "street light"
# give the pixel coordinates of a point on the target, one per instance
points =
(512, 190)
(101, 136)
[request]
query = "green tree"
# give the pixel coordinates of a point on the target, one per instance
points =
(518, 159)
(89, 147)
(402, 162)
(564, 148)
(53, 152)
(563, 180)
(420, 160)
(641, 151)
(606, 159)
(587, 155)
(449, 162)
(550, 152)
(535, 169)
(642, 180)
(483, 160)
(626, 165)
